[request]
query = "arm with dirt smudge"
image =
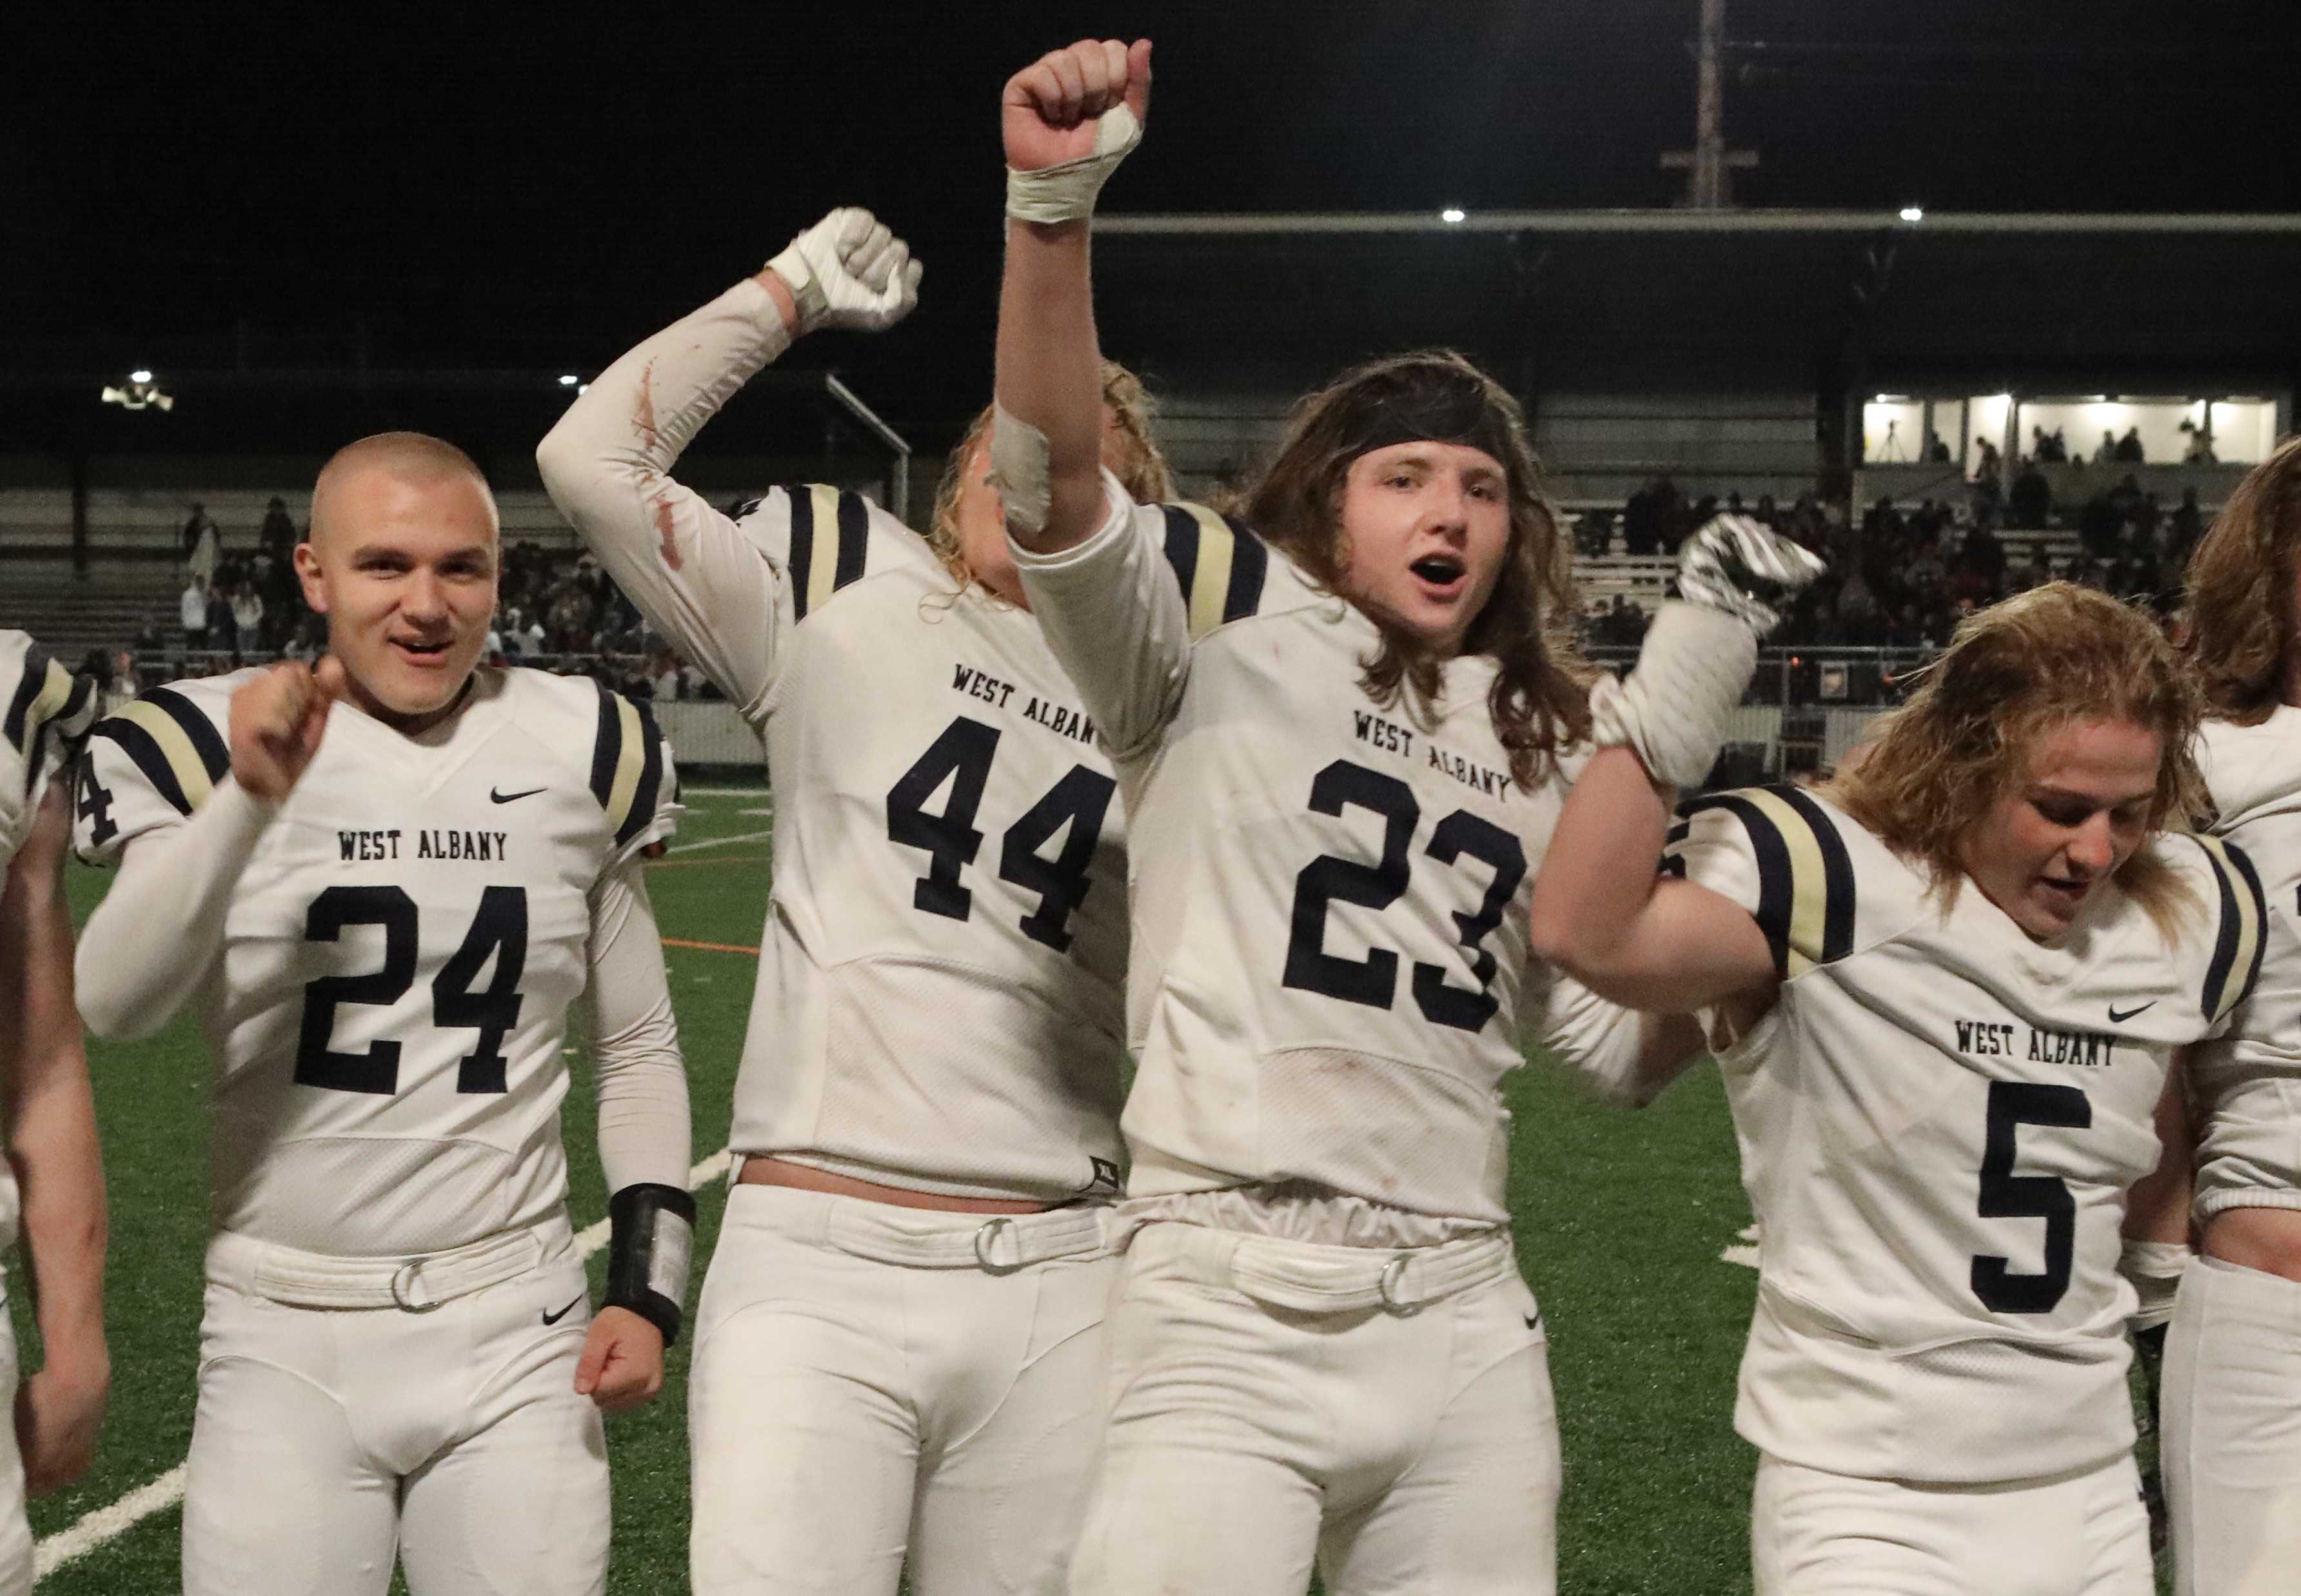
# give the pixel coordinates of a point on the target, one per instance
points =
(690, 570)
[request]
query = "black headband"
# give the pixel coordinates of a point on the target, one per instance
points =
(1454, 414)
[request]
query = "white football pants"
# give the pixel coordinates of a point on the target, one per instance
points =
(1816, 1533)
(866, 1390)
(326, 1439)
(1387, 1415)
(2231, 1437)
(15, 1530)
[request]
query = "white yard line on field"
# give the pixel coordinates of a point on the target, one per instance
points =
(689, 847)
(109, 1523)
(1747, 1257)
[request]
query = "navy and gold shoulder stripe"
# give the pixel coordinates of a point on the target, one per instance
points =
(47, 696)
(829, 531)
(1805, 877)
(1220, 564)
(627, 764)
(2237, 944)
(177, 749)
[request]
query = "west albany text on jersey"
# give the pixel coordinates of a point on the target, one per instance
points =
(1062, 719)
(427, 842)
(2001, 1039)
(1379, 732)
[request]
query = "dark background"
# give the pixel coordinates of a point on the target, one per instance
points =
(200, 188)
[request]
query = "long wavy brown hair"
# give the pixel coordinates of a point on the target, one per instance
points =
(2012, 674)
(1540, 699)
(1128, 449)
(2237, 627)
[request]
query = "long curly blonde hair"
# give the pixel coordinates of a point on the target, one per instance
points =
(1128, 449)
(2238, 624)
(2012, 674)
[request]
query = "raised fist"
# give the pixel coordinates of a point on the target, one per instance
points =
(277, 721)
(1744, 568)
(1052, 112)
(848, 271)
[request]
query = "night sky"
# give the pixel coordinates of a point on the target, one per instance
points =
(547, 187)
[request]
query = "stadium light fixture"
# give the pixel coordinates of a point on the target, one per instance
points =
(1914, 213)
(567, 379)
(1452, 213)
(141, 393)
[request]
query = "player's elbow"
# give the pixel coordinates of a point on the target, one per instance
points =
(564, 464)
(1554, 933)
(111, 1009)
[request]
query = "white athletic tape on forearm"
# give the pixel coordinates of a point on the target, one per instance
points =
(2155, 1269)
(1065, 193)
(1675, 708)
(1021, 470)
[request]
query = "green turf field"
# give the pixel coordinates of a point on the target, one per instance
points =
(1621, 1222)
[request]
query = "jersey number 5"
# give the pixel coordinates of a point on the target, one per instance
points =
(962, 756)
(1373, 980)
(2006, 1195)
(499, 928)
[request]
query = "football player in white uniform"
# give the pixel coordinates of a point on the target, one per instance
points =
(51, 1184)
(2232, 1440)
(380, 885)
(1323, 1349)
(1949, 986)
(899, 1354)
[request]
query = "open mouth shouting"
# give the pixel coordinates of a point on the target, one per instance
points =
(1441, 576)
(429, 654)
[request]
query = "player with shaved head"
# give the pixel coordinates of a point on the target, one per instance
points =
(380, 883)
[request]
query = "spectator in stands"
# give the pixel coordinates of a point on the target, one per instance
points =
(247, 619)
(192, 613)
(206, 549)
(1937, 449)
(276, 537)
(2031, 498)
(1990, 464)
(198, 523)
(2200, 451)
(2129, 448)
(2105, 451)
(220, 621)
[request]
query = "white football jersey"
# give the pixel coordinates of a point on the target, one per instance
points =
(1329, 978)
(386, 1020)
(45, 710)
(938, 992)
(2247, 1082)
(1940, 1119)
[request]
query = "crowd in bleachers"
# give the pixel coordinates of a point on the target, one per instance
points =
(1902, 577)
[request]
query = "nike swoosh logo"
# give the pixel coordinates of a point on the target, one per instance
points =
(562, 1313)
(2116, 1018)
(512, 798)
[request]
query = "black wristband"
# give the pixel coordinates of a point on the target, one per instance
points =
(651, 1234)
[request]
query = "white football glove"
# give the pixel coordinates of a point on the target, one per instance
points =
(1675, 708)
(849, 270)
(1744, 568)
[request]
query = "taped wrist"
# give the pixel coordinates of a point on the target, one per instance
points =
(2155, 1269)
(651, 1237)
(1021, 470)
(1674, 710)
(1065, 193)
(807, 295)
